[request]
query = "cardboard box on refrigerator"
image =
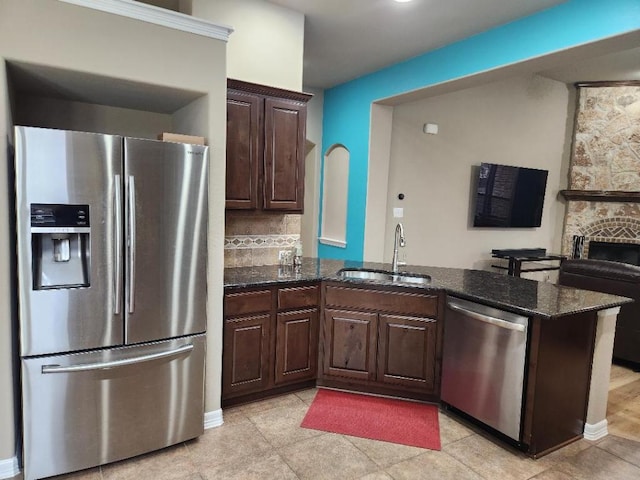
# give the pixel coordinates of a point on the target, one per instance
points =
(179, 138)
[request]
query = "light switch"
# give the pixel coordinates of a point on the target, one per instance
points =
(398, 212)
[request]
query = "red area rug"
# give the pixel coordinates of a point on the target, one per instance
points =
(386, 419)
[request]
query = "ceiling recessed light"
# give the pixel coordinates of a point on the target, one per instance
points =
(403, 1)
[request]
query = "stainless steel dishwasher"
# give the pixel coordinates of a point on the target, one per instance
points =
(483, 364)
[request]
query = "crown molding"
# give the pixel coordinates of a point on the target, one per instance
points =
(256, 88)
(157, 16)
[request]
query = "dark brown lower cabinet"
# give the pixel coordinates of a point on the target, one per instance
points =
(387, 340)
(407, 351)
(350, 344)
(557, 392)
(296, 346)
(383, 340)
(270, 341)
(246, 354)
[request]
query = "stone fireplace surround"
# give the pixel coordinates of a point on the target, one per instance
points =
(604, 176)
(615, 230)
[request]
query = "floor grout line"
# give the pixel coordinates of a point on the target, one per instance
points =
(637, 467)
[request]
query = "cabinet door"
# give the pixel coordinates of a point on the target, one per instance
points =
(244, 140)
(350, 344)
(284, 126)
(245, 355)
(296, 346)
(407, 351)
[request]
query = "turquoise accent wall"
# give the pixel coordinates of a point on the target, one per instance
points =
(346, 116)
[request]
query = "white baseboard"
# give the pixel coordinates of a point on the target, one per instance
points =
(596, 431)
(9, 468)
(213, 419)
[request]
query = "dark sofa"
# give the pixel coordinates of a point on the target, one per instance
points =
(619, 279)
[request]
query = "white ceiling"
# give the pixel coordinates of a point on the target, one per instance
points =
(345, 39)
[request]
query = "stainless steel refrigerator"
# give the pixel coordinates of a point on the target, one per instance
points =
(111, 242)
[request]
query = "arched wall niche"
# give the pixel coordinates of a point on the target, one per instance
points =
(335, 192)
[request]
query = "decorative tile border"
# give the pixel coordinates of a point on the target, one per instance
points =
(238, 242)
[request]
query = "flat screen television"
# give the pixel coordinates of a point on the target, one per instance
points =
(509, 197)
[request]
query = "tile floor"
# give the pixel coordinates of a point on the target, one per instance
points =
(263, 441)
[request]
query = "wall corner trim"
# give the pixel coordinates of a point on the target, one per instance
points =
(157, 16)
(213, 419)
(9, 468)
(596, 431)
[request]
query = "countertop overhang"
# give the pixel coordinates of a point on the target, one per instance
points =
(519, 295)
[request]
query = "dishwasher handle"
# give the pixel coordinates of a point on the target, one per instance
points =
(498, 322)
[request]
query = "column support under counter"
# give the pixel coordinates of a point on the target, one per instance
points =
(596, 424)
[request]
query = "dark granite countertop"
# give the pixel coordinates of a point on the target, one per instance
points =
(519, 295)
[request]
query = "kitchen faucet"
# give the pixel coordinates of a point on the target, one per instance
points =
(398, 240)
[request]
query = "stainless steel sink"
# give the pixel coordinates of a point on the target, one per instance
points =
(382, 276)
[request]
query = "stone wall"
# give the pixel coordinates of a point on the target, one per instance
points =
(605, 156)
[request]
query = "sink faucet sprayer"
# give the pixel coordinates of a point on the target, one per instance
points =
(398, 240)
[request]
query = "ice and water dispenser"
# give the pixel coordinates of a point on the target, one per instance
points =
(60, 246)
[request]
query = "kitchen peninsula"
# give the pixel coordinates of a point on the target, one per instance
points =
(286, 329)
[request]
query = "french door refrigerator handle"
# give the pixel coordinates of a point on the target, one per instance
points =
(85, 367)
(117, 206)
(488, 319)
(132, 244)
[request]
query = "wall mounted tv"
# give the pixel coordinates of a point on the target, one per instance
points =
(509, 197)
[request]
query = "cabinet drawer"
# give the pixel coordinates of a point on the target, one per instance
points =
(247, 302)
(297, 297)
(382, 301)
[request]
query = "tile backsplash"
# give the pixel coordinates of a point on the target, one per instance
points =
(255, 238)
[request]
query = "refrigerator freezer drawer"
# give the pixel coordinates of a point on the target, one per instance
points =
(91, 408)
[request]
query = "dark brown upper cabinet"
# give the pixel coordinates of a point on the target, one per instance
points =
(265, 147)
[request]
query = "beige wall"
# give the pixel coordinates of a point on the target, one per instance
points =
(335, 189)
(267, 43)
(313, 162)
(378, 183)
(64, 36)
(88, 117)
(518, 121)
